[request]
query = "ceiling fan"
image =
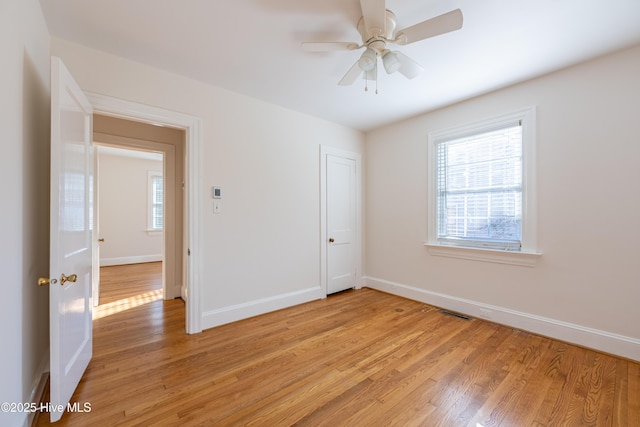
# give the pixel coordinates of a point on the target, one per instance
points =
(377, 27)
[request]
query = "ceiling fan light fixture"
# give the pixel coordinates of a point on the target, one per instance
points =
(368, 60)
(390, 61)
(377, 29)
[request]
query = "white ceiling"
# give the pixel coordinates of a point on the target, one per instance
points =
(252, 47)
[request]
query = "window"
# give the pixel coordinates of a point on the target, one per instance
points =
(479, 189)
(156, 201)
(481, 186)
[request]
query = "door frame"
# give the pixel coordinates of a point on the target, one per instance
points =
(192, 126)
(324, 152)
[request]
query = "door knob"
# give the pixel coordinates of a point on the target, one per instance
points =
(331, 240)
(42, 281)
(64, 279)
(101, 240)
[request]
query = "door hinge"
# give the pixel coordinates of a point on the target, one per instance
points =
(188, 252)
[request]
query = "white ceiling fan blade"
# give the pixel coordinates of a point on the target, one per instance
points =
(374, 13)
(408, 67)
(329, 46)
(351, 76)
(442, 24)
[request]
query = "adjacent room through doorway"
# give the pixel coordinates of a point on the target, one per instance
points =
(140, 211)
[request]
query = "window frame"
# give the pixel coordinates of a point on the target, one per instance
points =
(528, 253)
(151, 176)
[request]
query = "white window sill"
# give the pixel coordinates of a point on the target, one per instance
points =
(154, 232)
(527, 259)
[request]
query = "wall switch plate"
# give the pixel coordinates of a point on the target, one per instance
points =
(217, 207)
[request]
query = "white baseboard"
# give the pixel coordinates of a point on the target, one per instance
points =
(106, 262)
(607, 342)
(233, 313)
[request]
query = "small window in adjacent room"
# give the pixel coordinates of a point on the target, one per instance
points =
(481, 185)
(156, 202)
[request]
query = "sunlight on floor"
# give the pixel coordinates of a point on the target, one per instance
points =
(108, 309)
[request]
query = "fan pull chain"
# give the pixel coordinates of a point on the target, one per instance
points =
(376, 71)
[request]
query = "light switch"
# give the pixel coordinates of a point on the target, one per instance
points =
(217, 207)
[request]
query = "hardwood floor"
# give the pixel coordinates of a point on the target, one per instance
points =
(123, 281)
(359, 358)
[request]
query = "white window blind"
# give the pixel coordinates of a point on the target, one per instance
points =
(157, 202)
(479, 189)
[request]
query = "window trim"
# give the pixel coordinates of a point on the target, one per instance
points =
(150, 177)
(528, 253)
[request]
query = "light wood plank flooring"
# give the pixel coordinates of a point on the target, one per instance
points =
(359, 358)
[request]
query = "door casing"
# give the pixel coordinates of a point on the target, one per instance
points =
(192, 126)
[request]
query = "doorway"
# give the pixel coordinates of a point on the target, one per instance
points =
(129, 218)
(192, 126)
(141, 152)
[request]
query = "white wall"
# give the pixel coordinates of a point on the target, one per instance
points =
(586, 286)
(24, 216)
(264, 246)
(123, 205)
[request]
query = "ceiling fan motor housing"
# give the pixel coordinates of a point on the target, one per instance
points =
(377, 38)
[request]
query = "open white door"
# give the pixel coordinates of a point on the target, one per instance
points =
(71, 236)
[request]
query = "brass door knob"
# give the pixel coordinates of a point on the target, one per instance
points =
(42, 281)
(331, 240)
(101, 240)
(64, 279)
